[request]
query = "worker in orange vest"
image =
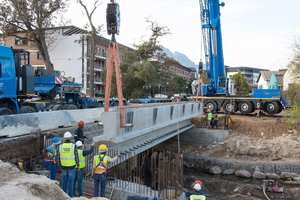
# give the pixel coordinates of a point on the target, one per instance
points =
(50, 154)
(100, 164)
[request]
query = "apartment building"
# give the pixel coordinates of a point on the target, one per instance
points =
(250, 74)
(69, 54)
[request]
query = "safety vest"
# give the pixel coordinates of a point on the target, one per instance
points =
(209, 116)
(197, 197)
(81, 158)
(102, 159)
(216, 117)
(67, 156)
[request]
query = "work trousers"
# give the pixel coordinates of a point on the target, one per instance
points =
(99, 179)
(78, 179)
(68, 178)
(51, 166)
(216, 123)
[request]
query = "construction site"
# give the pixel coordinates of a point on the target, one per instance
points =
(266, 145)
(223, 141)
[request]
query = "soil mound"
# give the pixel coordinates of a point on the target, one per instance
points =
(15, 185)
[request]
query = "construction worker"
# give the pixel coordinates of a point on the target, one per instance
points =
(100, 164)
(216, 119)
(50, 154)
(78, 135)
(68, 159)
(209, 119)
(197, 194)
(79, 174)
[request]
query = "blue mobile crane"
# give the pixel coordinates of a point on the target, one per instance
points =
(23, 90)
(216, 92)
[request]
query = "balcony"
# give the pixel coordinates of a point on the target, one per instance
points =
(97, 81)
(101, 56)
(96, 69)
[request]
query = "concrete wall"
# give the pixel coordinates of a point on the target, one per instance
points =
(15, 125)
(203, 135)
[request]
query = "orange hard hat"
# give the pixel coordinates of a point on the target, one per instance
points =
(80, 123)
(198, 182)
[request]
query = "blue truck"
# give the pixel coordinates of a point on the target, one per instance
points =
(25, 90)
(215, 93)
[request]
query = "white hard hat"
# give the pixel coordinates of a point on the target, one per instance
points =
(67, 135)
(197, 187)
(78, 144)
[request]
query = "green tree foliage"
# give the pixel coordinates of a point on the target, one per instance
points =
(293, 93)
(205, 80)
(241, 85)
(294, 113)
(32, 17)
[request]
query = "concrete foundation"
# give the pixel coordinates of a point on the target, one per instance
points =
(203, 135)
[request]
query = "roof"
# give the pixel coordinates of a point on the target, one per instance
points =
(245, 68)
(267, 75)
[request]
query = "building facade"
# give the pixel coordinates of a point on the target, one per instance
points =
(250, 74)
(69, 54)
(265, 80)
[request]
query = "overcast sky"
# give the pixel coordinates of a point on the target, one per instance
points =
(256, 33)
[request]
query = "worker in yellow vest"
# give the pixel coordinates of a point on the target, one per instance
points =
(68, 160)
(79, 174)
(100, 164)
(216, 119)
(209, 119)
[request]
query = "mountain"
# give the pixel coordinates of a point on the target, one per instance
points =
(181, 58)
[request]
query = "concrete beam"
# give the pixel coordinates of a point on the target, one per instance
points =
(22, 124)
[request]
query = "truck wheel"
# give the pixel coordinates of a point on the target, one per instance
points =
(245, 107)
(27, 109)
(71, 107)
(6, 111)
(211, 105)
(271, 107)
(57, 107)
(228, 108)
(116, 103)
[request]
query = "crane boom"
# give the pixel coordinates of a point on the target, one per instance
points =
(213, 48)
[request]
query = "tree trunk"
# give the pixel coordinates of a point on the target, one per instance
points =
(40, 42)
(92, 63)
(45, 53)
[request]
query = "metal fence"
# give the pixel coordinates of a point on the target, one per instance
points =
(149, 174)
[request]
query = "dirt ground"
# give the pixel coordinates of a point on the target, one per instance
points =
(268, 140)
(16, 185)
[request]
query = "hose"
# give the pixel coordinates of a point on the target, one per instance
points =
(265, 194)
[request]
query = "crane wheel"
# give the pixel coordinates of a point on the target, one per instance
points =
(211, 105)
(245, 107)
(228, 107)
(271, 107)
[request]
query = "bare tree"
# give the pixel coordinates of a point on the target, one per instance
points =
(91, 42)
(32, 17)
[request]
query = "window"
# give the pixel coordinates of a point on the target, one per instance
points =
(39, 56)
(20, 41)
